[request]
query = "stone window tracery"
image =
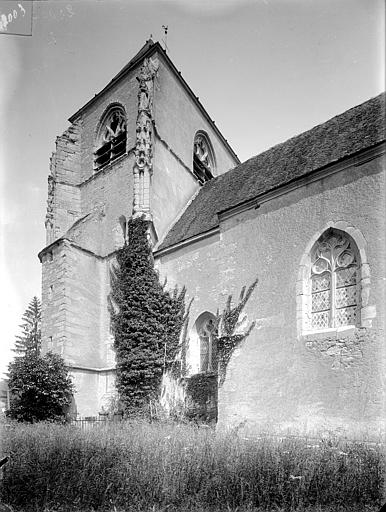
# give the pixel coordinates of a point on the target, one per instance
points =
(111, 141)
(203, 161)
(334, 281)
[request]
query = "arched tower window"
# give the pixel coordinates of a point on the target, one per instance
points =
(203, 158)
(334, 281)
(111, 138)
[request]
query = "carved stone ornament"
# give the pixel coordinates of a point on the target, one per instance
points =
(144, 129)
(50, 203)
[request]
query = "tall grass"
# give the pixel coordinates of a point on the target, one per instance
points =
(140, 466)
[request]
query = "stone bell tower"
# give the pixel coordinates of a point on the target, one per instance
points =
(129, 151)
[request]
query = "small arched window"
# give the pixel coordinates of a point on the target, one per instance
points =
(204, 328)
(111, 139)
(334, 281)
(203, 158)
(123, 224)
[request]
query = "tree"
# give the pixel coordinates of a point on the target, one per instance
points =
(40, 388)
(146, 320)
(29, 342)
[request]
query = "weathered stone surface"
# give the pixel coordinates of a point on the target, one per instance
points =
(276, 376)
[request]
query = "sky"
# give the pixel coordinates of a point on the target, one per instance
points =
(265, 70)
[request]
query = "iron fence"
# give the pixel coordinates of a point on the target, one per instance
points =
(90, 422)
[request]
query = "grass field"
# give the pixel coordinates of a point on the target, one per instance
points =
(137, 466)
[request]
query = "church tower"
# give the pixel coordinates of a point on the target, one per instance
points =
(144, 145)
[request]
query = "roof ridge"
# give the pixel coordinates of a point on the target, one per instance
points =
(314, 128)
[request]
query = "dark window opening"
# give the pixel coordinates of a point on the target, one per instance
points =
(202, 159)
(112, 140)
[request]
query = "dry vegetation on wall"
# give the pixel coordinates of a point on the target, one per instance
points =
(226, 339)
(137, 466)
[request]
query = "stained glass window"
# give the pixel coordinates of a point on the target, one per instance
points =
(334, 281)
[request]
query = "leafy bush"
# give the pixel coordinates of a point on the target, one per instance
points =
(40, 388)
(136, 466)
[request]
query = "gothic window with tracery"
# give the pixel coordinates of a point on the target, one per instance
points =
(334, 281)
(111, 138)
(203, 161)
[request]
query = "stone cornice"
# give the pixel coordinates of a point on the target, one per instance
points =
(104, 170)
(188, 241)
(64, 240)
(50, 247)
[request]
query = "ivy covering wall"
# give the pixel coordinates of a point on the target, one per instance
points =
(146, 321)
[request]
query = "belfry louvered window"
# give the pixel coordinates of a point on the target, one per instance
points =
(334, 281)
(111, 139)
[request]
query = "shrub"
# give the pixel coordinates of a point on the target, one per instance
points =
(40, 388)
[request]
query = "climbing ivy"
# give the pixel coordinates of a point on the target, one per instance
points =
(146, 321)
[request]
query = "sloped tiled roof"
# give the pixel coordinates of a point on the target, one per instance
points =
(346, 134)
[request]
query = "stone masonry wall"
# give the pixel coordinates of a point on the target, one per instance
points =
(170, 180)
(64, 196)
(55, 298)
(109, 192)
(277, 376)
(83, 289)
(99, 200)
(177, 120)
